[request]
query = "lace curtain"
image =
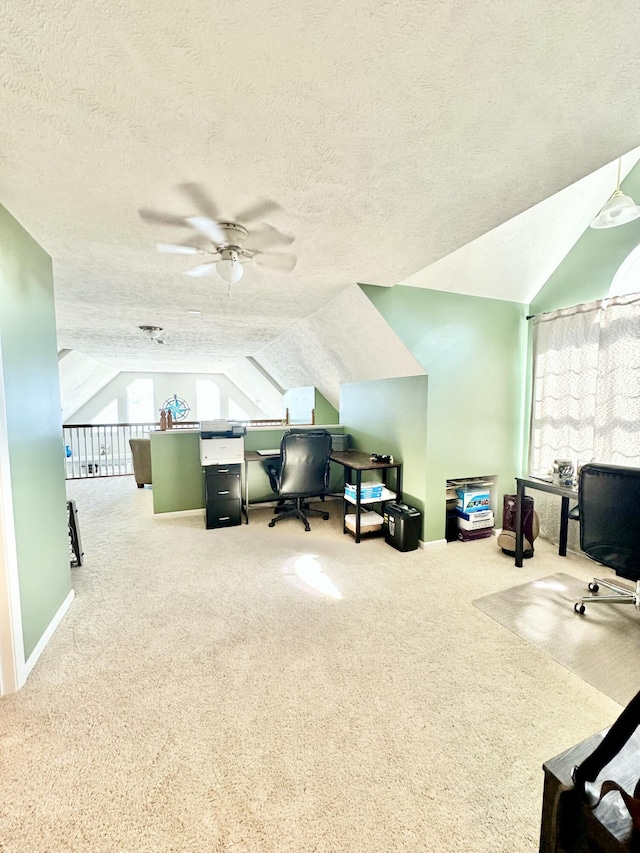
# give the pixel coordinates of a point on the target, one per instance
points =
(586, 390)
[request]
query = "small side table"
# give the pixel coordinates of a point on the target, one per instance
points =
(354, 461)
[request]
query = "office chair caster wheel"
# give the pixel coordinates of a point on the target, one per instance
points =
(593, 587)
(307, 529)
(272, 523)
(579, 608)
(325, 516)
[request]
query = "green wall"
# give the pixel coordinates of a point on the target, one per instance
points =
(325, 413)
(31, 387)
(474, 353)
(302, 401)
(588, 269)
(390, 416)
(178, 481)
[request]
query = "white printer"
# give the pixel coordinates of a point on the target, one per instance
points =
(221, 442)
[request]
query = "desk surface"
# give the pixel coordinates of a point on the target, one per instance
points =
(548, 486)
(254, 456)
(359, 461)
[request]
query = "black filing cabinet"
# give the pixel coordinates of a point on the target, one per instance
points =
(222, 495)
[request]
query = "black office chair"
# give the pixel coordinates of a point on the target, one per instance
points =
(609, 514)
(301, 472)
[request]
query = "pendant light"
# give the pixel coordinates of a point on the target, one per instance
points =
(619, 209)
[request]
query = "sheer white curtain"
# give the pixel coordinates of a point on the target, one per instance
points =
(586, 390)
(617, 415)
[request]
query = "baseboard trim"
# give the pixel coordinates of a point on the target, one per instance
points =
(44, 639)
(434, 544)
(179, 512)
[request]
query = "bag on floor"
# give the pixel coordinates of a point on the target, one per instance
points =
(530, 526)
(578, 824)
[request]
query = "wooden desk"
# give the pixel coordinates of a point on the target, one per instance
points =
(356, 461)
(543, 486)
(608, 826)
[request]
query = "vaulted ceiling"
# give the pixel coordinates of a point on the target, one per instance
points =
(391, 135)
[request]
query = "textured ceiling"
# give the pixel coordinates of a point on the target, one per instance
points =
(347, 340)
(391, 133)
(514, 260)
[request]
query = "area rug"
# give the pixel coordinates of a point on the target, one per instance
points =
(602, 647)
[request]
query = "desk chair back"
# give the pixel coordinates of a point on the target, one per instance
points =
(609, 512)
(304, 458)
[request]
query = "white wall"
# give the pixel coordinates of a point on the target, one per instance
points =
(347, 340)
(165, 386)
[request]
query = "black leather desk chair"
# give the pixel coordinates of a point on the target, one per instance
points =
(301, 472)
(609, 514)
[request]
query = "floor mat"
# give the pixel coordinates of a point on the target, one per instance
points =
(602, 647)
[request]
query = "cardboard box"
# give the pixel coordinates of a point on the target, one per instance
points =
(478, 524)
(470, 535)
(475, 516)
(473, 500)
(369, 521)
(367, 490)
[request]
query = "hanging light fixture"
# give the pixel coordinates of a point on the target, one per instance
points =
(619, 209)
(229, 269)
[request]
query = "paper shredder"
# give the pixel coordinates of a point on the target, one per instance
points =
(402, 526)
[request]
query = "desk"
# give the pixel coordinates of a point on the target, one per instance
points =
(254, 456)
(354, 460)
(566, 493)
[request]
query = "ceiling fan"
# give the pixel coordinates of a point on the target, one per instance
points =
(154, 333)
(232, 244)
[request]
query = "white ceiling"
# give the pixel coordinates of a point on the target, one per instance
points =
(391, 134)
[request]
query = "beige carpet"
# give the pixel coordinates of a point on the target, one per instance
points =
(602, 647)
(257, 689)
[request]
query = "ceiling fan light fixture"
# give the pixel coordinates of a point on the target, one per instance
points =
(152, 332)
(229, 269)
(618, 210)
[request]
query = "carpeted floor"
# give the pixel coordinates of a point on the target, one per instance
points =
(256, 689)
(542, 613)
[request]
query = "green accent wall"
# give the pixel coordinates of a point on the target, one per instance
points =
(178, 480)
(302, 401)
(588, 269)
(474, 353)
(390, 416)
(34, 428)
(325, 413)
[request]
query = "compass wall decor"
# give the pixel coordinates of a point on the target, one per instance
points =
(178, 407)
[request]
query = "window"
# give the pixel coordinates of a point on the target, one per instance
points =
(207, 400)
(586, 395)
(140, 408)
(627, 278)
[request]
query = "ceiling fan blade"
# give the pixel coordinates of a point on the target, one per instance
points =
(256, 211)
(177, 249)
(201, 269)
(265, 237)
(200, 199)
(157, 218)
(208, 227)
(282, 261)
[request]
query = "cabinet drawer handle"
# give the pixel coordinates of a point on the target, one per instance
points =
(225, 492)
(224, 518)
(223, 470)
